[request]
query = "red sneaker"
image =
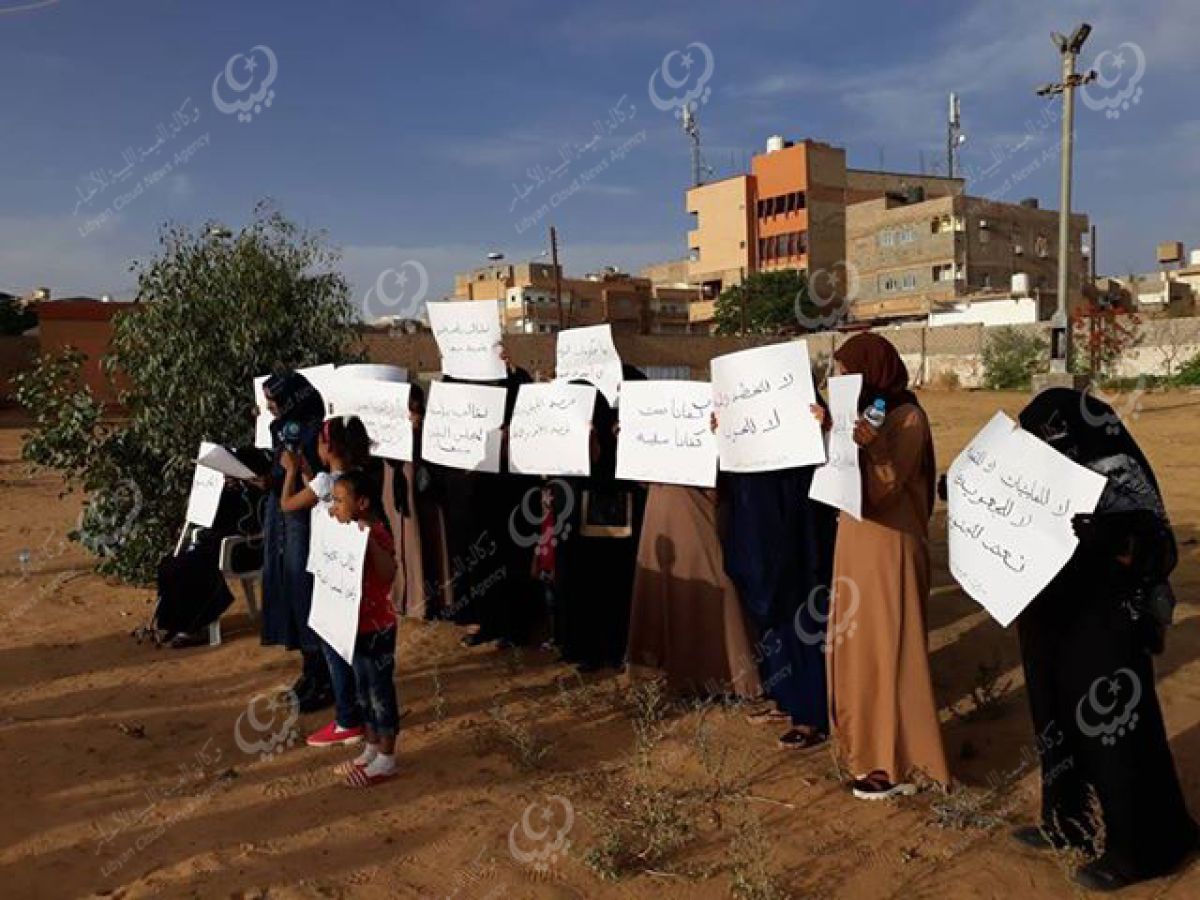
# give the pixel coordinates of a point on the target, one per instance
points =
(332, 735)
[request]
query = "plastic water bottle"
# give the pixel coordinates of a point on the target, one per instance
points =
(876, 413)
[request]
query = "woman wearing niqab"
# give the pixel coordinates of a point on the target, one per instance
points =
(1087, 642)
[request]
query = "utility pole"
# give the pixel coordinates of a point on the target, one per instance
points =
(954, 136)
(1068, 48)
(557, 277)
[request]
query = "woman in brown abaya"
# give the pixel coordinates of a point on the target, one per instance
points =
(882, 707)
(686, 623)
(414, 513)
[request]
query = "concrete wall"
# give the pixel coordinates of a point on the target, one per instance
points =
(950, 354)
(933, 355)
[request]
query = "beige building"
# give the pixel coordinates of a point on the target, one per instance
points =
(910, 255)
(530, 304)
(720, 242)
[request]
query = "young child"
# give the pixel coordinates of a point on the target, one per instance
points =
(342, 446)
(356, 498)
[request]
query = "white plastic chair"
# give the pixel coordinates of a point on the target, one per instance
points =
(189, 534)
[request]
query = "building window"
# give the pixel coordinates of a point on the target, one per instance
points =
(694, 254)
(984, 235)
(943, 272)
(1041, 246)
(910, 282)
(886, 238)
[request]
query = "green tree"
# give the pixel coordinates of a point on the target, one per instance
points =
(214, 310)
(780, 302)
(15, 318)
(1011, 357)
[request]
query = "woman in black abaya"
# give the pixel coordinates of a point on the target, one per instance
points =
(1086, 643)
(287, 584)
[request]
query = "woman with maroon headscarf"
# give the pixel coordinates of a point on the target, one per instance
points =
(881, 695)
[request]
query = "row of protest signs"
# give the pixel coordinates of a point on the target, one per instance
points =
(1009, 521)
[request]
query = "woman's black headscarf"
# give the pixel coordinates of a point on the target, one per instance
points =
(295, 399)
(1081, 427)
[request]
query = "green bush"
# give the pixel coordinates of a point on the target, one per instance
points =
(1012, 357)
(1189, 373)
(214, 311)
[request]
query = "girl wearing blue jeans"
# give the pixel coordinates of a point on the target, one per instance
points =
(356, 498)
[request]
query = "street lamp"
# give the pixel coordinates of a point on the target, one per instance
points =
(1068, 48)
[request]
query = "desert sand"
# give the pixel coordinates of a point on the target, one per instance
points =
(131, 772)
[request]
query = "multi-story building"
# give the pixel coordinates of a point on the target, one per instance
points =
(788, 212)
(910, 254)
(895, 245)
(530, 304)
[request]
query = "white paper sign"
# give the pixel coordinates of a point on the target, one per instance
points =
(762, 399)
(318, 518)
(320, 377)
(666, 433)
(1011, 499)
(205, 497)
(337, 586)
(550, 431)
(589, 354)
(262, 422)
(838, 483)
(462, 426)
(468, 337)
(226, 463)
(383, 408)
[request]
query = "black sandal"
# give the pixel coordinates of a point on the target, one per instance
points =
(795, 739)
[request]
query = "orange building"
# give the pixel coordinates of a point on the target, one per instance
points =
(789, 212)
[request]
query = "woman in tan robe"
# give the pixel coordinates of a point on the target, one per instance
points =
(884, 715)
(422, 586)
(686, 623)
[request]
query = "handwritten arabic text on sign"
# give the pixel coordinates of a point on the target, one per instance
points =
(337, 585)
(462, 426)
(666, 433)
(383, 408)
(838, 483)
(763, 400)
(550, 431)
(1011, 500)
(588, 354)
(205, 497)
(468, 337)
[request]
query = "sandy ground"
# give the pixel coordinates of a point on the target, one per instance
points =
(134, 772)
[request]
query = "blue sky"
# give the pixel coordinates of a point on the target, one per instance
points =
(435, 132)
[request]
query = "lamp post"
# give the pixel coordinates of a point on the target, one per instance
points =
(1068, 48)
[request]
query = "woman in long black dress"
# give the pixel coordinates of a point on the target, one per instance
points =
(595, 556)
(287, 584)
(1086, 645)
